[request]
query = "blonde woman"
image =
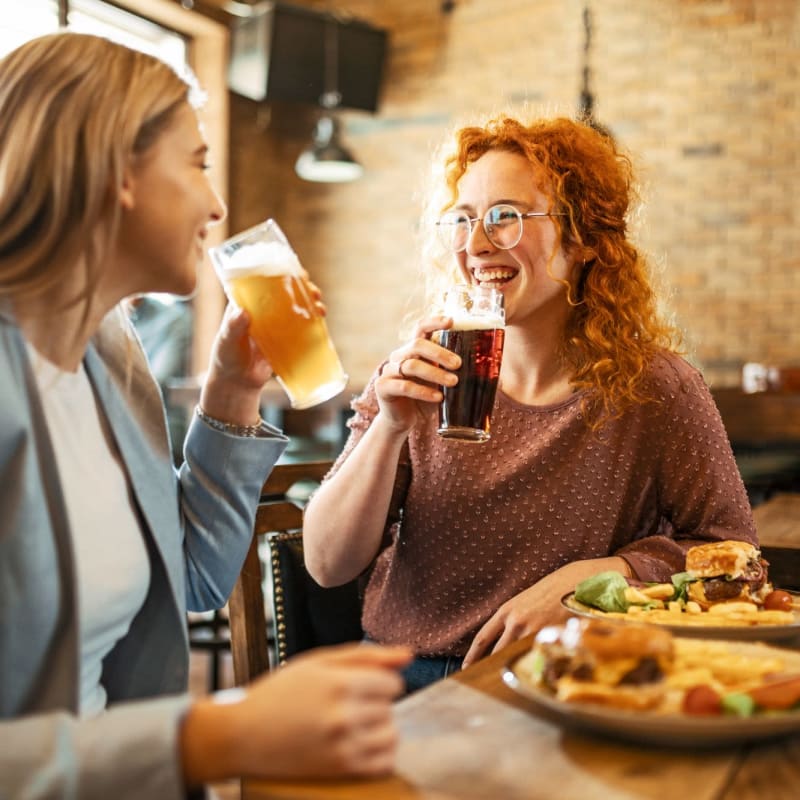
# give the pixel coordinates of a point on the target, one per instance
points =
(607, 452)
(104, 195)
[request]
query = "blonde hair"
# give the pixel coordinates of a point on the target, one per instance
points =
(75, 110)
(615, 328)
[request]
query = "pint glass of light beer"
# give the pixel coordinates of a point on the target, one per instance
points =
(261, 274)
(477, 336)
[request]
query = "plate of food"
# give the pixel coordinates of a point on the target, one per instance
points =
(724, 593)
(640, 684)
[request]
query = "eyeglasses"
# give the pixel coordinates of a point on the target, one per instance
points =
(502, 223)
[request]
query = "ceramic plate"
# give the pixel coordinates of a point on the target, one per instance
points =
(673, 730)
(700, 628)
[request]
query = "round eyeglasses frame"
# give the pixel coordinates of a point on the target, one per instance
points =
(451, 225)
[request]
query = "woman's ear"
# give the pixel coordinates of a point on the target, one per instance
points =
(583, 254)
(127, 190)
(580, 255)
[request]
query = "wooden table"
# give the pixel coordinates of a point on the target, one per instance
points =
(778, 526)
(471, 738)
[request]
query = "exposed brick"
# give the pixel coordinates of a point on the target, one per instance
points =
(704, 93)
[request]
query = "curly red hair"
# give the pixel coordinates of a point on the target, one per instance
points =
(614, 330)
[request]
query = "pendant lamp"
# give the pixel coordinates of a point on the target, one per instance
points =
(327, 160)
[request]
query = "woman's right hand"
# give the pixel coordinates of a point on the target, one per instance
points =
(412, 376)
(327, 713)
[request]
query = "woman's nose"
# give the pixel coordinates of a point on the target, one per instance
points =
(218, 208)
(478, 241)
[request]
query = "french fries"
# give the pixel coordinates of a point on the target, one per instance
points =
(684, 600)
(724, 667)
(654, 603)
(659, 591)
(606, 665)
(729, 668)
(686, 614)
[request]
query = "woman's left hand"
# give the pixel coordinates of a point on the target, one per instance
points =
(540, 605)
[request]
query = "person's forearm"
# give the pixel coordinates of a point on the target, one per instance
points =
(230, 404)
(207, 743)
(345, 520)
(585, 569)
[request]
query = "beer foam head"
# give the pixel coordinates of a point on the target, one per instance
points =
(464, 321)
(474, 308)
(261, 258)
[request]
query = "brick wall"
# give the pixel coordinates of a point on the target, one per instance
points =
(704, 93)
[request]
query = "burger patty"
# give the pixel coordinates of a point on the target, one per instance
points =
(646, 671)
(717, 589)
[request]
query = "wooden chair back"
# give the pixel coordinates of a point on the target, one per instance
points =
(280, 519)
(305, 614)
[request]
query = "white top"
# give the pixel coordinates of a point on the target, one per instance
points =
(111, 563)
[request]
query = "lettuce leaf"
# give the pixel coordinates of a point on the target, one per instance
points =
(738, 703)
(681, 581)
(605, 591)
(538, 663)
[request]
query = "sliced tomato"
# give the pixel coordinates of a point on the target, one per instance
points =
(777, 694)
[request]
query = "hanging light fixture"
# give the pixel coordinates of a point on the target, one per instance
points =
(586, 102)
(327, 160)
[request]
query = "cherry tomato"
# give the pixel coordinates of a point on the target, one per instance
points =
(778, 600)
(702, 700)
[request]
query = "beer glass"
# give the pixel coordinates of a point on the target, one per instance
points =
(477, 336)
(261, 274)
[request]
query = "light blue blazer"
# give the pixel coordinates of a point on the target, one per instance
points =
(197, 525)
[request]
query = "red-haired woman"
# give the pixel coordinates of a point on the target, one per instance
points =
(606, 452)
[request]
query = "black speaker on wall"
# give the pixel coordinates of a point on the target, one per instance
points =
(281, 52)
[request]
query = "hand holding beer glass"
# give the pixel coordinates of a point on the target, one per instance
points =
(477, 336)
(261, 274)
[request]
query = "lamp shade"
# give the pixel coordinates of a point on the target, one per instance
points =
(327, 160)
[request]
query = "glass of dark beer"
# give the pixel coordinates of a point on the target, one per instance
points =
(477, 336)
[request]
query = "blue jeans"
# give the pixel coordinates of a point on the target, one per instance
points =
(424, 670)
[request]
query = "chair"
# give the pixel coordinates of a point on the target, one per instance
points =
(209, 633)
(304, 614)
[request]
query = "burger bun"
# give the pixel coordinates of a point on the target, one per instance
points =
(715, 559)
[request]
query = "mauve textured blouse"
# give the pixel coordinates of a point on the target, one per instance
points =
(482, 522)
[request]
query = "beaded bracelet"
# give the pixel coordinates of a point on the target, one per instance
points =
(250, 431)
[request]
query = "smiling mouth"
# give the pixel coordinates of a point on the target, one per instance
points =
(493, 276)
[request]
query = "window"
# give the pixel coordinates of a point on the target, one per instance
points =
(102, 19)
(30, 18)
(26, 19)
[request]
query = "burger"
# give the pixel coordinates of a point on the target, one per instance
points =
(617, 664)
(724, 572)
